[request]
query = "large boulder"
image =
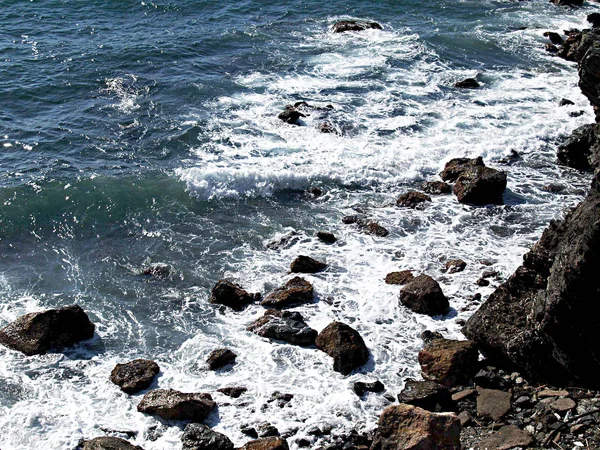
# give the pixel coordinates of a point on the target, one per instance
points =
(36, 333)
(220, 358)
(108, 443)
(134, 376)
(448, 362)
(306, 264)
(480, 185)
(197, 436)
(412, 199)
(427, 394)
(230, 294)
(285, 326)
(344, 345)
(576, 151)
(295, 291)
(170, 404)
(455, 167)
(541, 319)
(409, 427)
(355, 25)
(423, 295)
(267, 443)
(291, 115)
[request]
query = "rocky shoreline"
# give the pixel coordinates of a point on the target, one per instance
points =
(538, 386)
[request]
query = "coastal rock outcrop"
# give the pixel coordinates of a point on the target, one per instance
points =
(577, 150)
(108, 443)
(366, 225)
(170, 404)
(197, 436)
(344, 345)
(354, 25)
(448, 362)
(37, 333)
(284, 326)
(306, 264)
(230, 294)
(220, 358)
(475, 183)
(467, 83)
(295, 291)
(424, 295)
(134, 376)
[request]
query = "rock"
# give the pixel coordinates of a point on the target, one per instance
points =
(109, 443)
(229, 294)
(562, 404)
(285, 241)
(265, 429)
(327, 127)
(249, 431)
(467, 83)
(291, 115)
(326, 237)
(436, 187)
(135, 375)
(576, 151)
(480, 185)
(589, 65)
(482, 282)
(465, 418)
(354, 25)
(565, 102)
(408, 427)
(402, 277)
(234, 391)
(455, 167)
(429, 336)
(492, 403)
(567, 2)
(423, 295)
(594, 19)
(284, 326)
(545, 393)
(366, 225)
(412, 199)
(555, 38)
(295, 291)
(315, 192)
(455, 265)
(570, 50)
(539, 319)
(158, 270)
(220, 358)
(361, 388)
(37, 333)
(551, 48)
(170, 404)
(200, 437)
(461, 395)
(306, 264)
(507, 437)
(448, 362)
(268, 443)
(344, 345)
(427, 395)
(280, 399)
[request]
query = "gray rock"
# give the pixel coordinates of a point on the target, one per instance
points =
(170, 404)
(200, 437)
(285, 326)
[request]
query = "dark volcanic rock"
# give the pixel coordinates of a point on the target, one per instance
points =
(229, 294)
(412, 199)
(423, 295)
(448, 362)
(158, 270)
(408, 427)
(219, 358)
(170, 404)
(577, 150)
(455, 265)
(565, 102)
(428, 395)
(589, 68)
(594, 19)
(233, 392)
(326, 237)
(539, 319)
(135, 375)
(467, 83)
(354, 25)
(366, 225)
(306, 264)
(567, 2)
(455, 167)
(109, 443)
(295, 291)
(555, 38)
(402, 277)
(268, 443)
(36, 333)
(200, 437)
(291, 115)
(344, 345)
(285, 326)
(480, 185)
(361, 387)
(436, 187)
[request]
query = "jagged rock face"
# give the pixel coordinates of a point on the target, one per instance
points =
(200, 437)
(170, 404)
(576, 151)
(135, 375)
(542, 318)
(588, 55)
(36, 333)
(345, 345)
(109, 443)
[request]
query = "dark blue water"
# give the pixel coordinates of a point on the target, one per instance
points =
(133, 133)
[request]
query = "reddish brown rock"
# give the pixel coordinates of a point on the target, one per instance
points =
(268, 443)
(436, 187)
(296, 291)
(507, 437)
(412, 199)
(108, 443)
(423, 295)
(449, 362)
(402, 277)
(170, 404)
(233, 391)
(455, 265)
(455, 167)
(306, 264)
(344, 345)
(134, 376)
(492, 403)
(230, 294)
(220, 357)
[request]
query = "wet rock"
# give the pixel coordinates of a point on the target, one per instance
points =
(354, 25)
(303, 443)
(284, 326)
(408, 427)
(249, 431)
(285, 241)
(366, 225)
(233, 391)
(326, 237)
(327, 127)
(265, 429)
(570, 50)
(594, 19)
(565, 102)
(109, 443)
(555, 38)
(295, 291)
(37, 333)
(230, 294)
(467, 83)
(220, 358)
(448, 362)
(507, 437)
(455, 167)
(423, 295)
(361, 387)
(315, 192)
(412, 199)
(280, 399)
(428, 395)
(158, 270)
(589, 75)
(170, 404)
(402, 277)
(306, 264)
(551, 48)
(344, 345)
(492, 404)
(268, 443)
(429, 336)
(577, 149)
(482, 282)
(134, 376)
(567, 2)
(200, 437)
(480, 185)
(436, 187)
(291, 115)
(455, 266)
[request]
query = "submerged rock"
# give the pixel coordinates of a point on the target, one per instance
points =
(158, 270)
(230, 294)
(220, 358)
(306, 264)
(295, 291)
(233, 391)
(109, 443)
(344, 345)
(37, 333)
(285, 326)
(325, 236)
(448, 362)
(412, 199)
(366, 225)
(291, 115)
(354, 25)
(428, 395)
(200, 437)
(423, 295)
(134, 376)
(170, 404)
(467, 83)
